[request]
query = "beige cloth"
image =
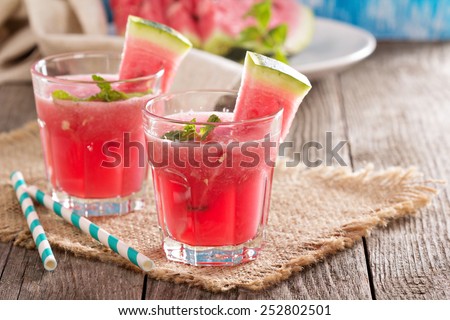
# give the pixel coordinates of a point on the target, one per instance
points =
(17, 43)
(314, 213)
(30, 29)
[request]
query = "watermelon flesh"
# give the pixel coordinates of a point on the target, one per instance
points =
(224, 19)
(267, 86)
(151, 10)
(214, 25)
(150, 47)
(179, 15)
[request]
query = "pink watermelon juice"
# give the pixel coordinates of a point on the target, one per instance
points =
(73, 136)
(90, 124)
(212, 193)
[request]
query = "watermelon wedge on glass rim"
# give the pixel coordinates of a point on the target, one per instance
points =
(87, 100)
(212, 167)
(150, 47)
(267, 86)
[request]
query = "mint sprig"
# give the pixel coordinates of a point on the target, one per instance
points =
(190, 133)
(64, 95)
(106, 94)
(262, 12)
(187, 134)
(205, 131)
(260, 37)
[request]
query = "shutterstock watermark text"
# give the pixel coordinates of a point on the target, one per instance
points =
(211, 154)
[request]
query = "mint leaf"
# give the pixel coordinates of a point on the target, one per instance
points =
(280, 56)
(189, 132)
(174, 135)
(63, 95)
(278, 34)
(259, 37)
(137, 94)
(106, 94)
(101, 83)
(209, 127)
(262, 13)
(251, 33)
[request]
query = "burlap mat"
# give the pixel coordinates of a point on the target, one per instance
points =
(314, 213)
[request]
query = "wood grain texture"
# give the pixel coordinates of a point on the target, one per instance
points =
(16, 105)
(335, 278)
(75, 278)
(399, 114)
(5, 249)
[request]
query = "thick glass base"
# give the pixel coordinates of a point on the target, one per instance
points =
(212, 256)
(101, 207)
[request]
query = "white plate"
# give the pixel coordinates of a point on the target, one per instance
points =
(335, 46)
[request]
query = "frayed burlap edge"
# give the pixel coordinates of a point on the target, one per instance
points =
(414, 195)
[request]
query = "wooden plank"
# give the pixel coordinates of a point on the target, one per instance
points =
(398, 113)
(5, 250)
(335, 278)
(16, 105)
(342, 276)
(75, 278)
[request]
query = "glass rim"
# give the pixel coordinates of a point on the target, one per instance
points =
(160, 97)
(79, 55)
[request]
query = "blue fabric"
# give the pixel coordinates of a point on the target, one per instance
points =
(107, 6)
(391, 19)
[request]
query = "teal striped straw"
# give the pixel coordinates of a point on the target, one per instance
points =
(92, 229)
(37, 231)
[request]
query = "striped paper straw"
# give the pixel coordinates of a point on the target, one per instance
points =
(37, 231)
(92, 229)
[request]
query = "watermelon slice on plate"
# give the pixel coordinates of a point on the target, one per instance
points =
(150, 47)
(216, 25)
(267, 86)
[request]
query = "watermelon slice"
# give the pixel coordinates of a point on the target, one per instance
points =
(215, 26)
(267, 86)
(301, 23)
(150, 47)
(180, 15)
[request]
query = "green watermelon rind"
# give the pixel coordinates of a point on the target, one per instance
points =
(161, 34)
(193, 38)
(276, 74)
(300, 38)
(219, 43)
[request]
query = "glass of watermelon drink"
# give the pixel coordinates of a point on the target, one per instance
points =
(86, 118)
(212, 176)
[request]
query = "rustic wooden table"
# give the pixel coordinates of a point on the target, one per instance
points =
(393, 108)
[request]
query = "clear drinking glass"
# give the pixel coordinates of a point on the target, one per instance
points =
(90, 136)
(212, 180)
